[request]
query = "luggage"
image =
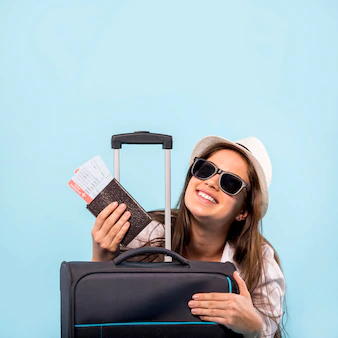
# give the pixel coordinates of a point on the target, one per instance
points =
(121, 298)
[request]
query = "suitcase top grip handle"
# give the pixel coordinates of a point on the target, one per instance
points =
(149, 250)
(141, 137)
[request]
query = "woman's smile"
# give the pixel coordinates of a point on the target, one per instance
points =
(206, 197)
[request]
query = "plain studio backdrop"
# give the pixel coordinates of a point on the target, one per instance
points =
(73, 73)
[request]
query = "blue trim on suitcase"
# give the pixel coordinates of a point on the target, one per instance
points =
(230, 285)
(146, 323)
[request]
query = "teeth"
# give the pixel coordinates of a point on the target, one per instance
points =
(207, 197)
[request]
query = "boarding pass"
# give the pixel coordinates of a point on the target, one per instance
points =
(90, 179)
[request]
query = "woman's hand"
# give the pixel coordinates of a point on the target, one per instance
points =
(234, 311)
(109, 229)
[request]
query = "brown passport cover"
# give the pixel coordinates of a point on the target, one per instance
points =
(114, 191)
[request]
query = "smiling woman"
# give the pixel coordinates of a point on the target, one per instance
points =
(215, 200)
(218, 218)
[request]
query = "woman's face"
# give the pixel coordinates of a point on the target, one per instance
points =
(222, 208)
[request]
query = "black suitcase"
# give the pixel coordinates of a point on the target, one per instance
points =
(121, 298)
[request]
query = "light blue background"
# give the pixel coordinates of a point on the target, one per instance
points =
(75, 72)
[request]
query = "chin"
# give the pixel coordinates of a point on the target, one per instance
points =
(200, 213)
(203, 214)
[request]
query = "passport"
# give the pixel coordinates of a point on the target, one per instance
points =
(114, 191)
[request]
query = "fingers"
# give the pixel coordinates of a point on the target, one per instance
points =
(111, 242)
(120, 235)
(211, 301)
(219, 312)
(115, 220)
(212, 296)
(111, 226)
(208, 312)
(102, 216)
(214, 307)
(117, 232)
(243, 290)
(107, 218)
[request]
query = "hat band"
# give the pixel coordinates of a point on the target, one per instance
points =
(244, 147)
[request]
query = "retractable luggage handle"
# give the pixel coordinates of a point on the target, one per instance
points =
(145, 137)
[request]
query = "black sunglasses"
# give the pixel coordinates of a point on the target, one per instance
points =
(230, 183)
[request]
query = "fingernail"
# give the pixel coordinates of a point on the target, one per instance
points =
(122, 206)
(191, 303)
(195, 297)
(193, 310)
(114, 204)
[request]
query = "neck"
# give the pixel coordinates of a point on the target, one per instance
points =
(206, 243)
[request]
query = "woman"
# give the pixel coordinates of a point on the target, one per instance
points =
(224, 198)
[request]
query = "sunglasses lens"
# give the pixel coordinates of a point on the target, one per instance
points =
(230, 184)
(203, 169)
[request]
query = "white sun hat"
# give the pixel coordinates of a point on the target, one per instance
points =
(255, 151)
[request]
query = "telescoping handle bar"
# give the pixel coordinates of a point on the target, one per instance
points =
(141, 137)
(145, 137)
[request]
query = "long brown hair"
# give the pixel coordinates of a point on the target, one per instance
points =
(245, 236)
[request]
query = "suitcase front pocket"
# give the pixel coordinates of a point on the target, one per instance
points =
(151, 304)
(154, 296)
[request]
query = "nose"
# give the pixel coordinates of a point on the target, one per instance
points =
(212, 182)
